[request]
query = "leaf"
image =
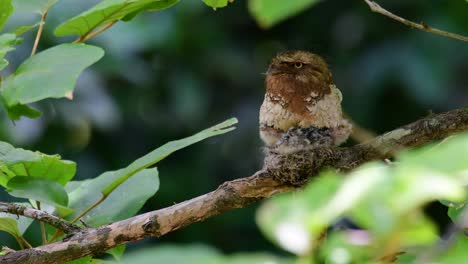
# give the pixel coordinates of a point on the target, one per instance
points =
(17, 111)
(42, 190)
(6, 9)
(83, 260)
(51, 73)
(22, 222)
(284, 219)
(216, 3)
(23, 29)
(123, 203)
(3, 63)
(455, 211)
(106, 12)
(193, 254)
(270, 12)
(7, 43)
(35, 6)
(155, 6)
(117, 252)
(457, 252)
(10, 226)
(165, 150)
(20, 162)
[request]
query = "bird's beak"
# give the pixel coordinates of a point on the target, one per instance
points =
(273, 69)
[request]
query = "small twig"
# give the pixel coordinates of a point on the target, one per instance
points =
(39, 31)
(94, 33)
(39, 215)
(421, 26)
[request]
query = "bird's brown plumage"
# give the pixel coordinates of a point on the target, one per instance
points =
(300, 93)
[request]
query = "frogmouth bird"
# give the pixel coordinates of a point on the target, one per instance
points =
(302, 106)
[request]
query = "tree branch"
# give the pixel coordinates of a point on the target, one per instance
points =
(421, 26)
(59, 223)
(280, 174)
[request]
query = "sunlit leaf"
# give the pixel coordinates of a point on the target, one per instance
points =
(155, 6)
(6, 9)
(165, 150)
(285, 220)
(49, 74)
(21, 162)
(123, 203)
(10, 226)
(270, 12)
(105, 12)
(216, 3)
(347, 246)
(46, 191)
(22, 223)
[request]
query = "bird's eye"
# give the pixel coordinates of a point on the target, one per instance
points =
(298, 65)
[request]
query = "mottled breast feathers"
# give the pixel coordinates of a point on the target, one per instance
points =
(300, 93)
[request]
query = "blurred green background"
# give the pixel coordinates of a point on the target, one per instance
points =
(169, 74)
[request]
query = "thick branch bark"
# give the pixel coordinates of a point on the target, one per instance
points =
(276, 177)
(59, 223)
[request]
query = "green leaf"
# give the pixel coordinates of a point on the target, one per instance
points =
(123, 203)
(83, 260)
(17, 111)
(285, 219)
(455, 211)
(417, 230)
(20, 162)
(165, 150)
(10, 226)
(23, 29)
(342, 243)
(457, 252)
(22, 222)
(7, 43)
(42, 190)
(6, 9)
(117, 252)
(193, 254)
(156, 6)
(448, 157)
(36, 6)
(51, 73)
(106, 12)
(3, 63)
(216, 3)
(255, 258)
(270, 12)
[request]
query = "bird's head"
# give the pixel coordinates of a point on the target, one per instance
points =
(299, 68)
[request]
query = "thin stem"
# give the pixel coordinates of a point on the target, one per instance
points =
(94, 33)
(421, 26)
(24, 242)
(39, 31)
(98, 202)
(42, 226)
